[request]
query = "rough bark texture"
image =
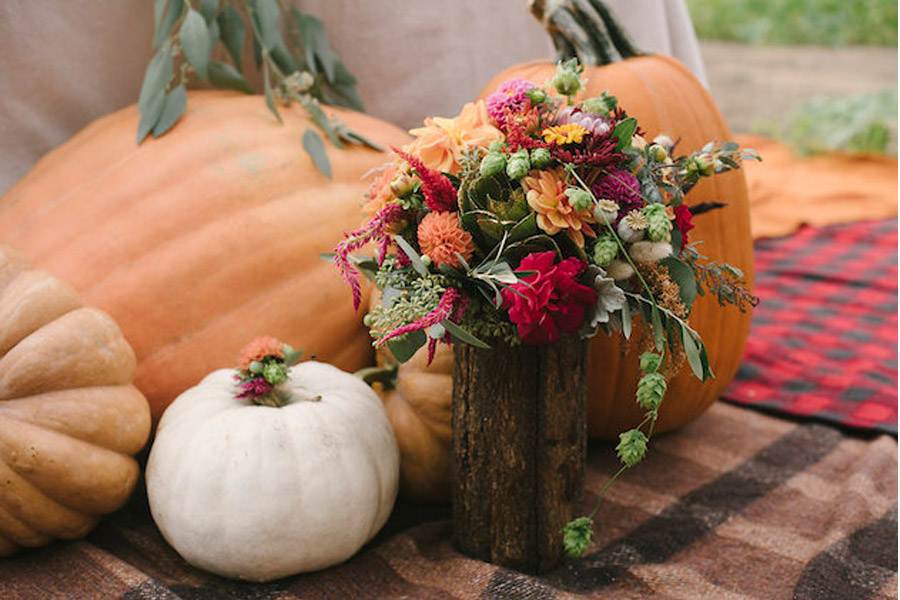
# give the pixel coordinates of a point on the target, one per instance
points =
(519, 443)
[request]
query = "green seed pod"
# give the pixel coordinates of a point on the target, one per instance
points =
(657, 153)
(601, 104)
(275, 373)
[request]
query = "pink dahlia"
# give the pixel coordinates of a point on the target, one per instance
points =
(550, 301)
(512, 95)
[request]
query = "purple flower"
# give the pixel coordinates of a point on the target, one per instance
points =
(254, 388)
(596, 123)
(622, 188)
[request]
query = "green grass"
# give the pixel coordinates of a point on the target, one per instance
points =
(786, 22)
(860, 123)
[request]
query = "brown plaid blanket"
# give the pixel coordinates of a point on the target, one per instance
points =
(736, 505)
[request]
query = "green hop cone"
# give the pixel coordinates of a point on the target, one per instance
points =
(540, 158)
(275, 373)
(602, 104)
(632, 447)
(605, 250)
(496, 146)
(650, 362)
(659, 228)
(517, 166)
(492, 163)
(577, 536)
(650, 391)
(579, 199)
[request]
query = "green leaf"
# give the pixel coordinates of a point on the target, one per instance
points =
(461, 335)
(270, 97)
(315, 147)
(223, 75)
(173, 108)
(405, 346)
(213, 38)
(623, 131)
(414, 257)
(231, 28)
(150, 115)
(267, 16)
(683, 276)
(658, 331)
(194, 39)
(165, 14)
(156, 77)
(626, 319)
(209, 8)
(291, 356)
(693, 354)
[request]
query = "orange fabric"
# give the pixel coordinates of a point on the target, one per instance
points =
(787, 191)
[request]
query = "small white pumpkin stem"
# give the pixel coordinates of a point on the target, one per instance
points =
(280, 396)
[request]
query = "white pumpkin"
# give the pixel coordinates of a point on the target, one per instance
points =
(258, 492)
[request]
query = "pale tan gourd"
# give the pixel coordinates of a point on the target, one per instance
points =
(69, 417)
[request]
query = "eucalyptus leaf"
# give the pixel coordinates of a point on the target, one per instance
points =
(315, 147)
(223, 75)
(209, 8)
(405, 346)
(194, 40)
(267, 15)
(461, 335)
(231, 28)
(166, 14)
(389, 295)
(626, 319)
(156, 77)
(659, 333)
(414, 257)
(213, 38)
(150, 115)
(270, 97)
(683, 276)
(692, 351)
(283, 58)
(173, 108)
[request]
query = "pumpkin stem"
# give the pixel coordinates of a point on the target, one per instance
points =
(584, 29)
(280, 396)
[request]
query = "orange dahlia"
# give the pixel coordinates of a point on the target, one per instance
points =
(441, 142)
(441, 238)
(260, 348)
(545, 192)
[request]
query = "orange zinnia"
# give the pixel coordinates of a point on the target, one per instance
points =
(260, 348)
(545, 192)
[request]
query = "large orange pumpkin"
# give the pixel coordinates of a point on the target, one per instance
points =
(204, 238)
(665, 97)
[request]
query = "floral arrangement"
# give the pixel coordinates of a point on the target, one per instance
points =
(264, 364)
(529, 216)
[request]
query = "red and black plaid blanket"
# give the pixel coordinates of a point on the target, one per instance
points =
(824, 339)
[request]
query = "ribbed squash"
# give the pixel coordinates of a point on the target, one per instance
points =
(204, 238)
(69, 417)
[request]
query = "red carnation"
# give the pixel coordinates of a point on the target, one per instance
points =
(550, 301)
(683, 222)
